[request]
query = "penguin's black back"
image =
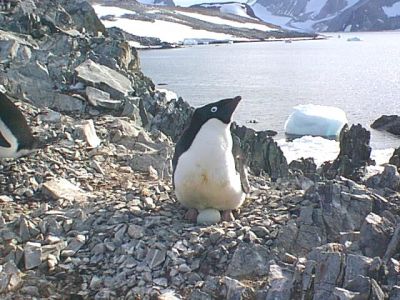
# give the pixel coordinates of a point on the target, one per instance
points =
(185, 142)
(16, 123)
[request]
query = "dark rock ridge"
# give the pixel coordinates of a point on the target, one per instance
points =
(390, 124)
(93, 216)
(331, 15)
(354, 154)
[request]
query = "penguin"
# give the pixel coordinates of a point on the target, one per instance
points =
(206, 174)
(16, 138)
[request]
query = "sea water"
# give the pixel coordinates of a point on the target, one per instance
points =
(362, 78)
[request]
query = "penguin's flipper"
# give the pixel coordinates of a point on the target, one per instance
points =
(240, 164)
(3, 142)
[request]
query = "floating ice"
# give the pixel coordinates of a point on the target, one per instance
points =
(315, 120)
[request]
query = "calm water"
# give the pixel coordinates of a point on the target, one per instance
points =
(362, 78)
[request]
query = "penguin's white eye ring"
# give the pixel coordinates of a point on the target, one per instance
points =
(214, 109)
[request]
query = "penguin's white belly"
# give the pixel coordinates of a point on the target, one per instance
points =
(205, 175)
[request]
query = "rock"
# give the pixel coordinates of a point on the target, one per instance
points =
(84, 17)
(249, 261)
(85, 131)
(389, 178)
(74, 245)
(63, 189)
(393, 244)
(10, 277)
(171, 117)
(387, 123)
(208, 216)
(32, 255)
(234, 289)
(395, 293)
(375, 235)
(280, 284)
(98, 98)
(306, 165)
(104, 78)
(329, 270)
(263, 155)
(344, 294)
(367, 287)
(155, 257)
(136, 231)
(354, 153)
(343, 207)
(356, 265)
(395, 158)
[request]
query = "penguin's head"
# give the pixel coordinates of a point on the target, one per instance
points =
(221, 110)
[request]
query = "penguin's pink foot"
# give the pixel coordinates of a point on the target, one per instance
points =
(227, 216)
(191, 215)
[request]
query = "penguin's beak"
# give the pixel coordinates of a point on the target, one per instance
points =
(230, 105)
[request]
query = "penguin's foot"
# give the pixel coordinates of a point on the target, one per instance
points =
(191, 215)
(227, 216)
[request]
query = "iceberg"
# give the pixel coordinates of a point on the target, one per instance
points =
(315, 120)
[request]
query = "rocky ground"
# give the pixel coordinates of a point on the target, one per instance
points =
(93, 215)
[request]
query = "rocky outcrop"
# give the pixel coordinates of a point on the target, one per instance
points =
(390, 124)
(262, 153)
(354, 154)
(395, 158)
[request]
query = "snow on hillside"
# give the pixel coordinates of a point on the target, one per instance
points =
(233, 9)
(102, 11)
(392, 11)
(314, 7)
(265, 15)
(221, 21)
(166, 31)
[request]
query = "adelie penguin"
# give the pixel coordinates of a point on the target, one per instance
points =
(16, 138)
(205, 173)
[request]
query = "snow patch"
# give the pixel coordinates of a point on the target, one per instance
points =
(392, 11)
(221, 21)
(320, 149)
(168, 94)
(261, 12)
(166, 31)
(234, 9)
(316, 120)
(102, 11)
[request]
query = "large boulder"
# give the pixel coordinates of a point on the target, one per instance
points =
(39, 18)
(387, 123)
(354, 154)
(395, 158)
(263, 154)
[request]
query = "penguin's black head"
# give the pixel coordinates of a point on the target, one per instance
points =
(221, 110)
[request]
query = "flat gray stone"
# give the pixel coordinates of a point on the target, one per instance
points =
(63, 189)
(104, 78)
(85, 131)
(249, 261)
(32, 255)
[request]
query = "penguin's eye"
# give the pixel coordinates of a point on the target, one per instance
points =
(214, 109)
